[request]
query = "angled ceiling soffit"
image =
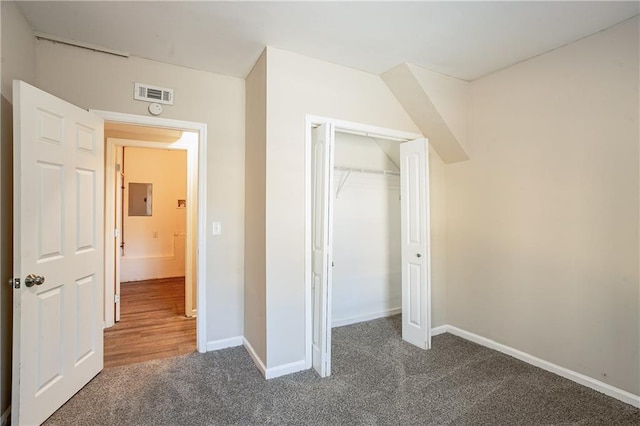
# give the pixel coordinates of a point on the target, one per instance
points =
(414, 98)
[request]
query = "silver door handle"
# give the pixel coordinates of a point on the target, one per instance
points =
(33, 279)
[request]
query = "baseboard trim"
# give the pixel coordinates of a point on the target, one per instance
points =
(365, 317)
(273, 372)
(5, 416)
(574, 376)
(439, 330)
(254, 356)
(215, 345)
(282, 370)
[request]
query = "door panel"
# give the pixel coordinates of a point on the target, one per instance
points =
(58, 235)
(322, 175)
(415, 243)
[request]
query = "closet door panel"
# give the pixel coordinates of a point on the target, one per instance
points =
(415, 243)
(322, 175)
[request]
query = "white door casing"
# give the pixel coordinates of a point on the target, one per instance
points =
(321, 235)
(196, 220)
(415, 243)
(120, 190)
(58, 235)
(114, 218)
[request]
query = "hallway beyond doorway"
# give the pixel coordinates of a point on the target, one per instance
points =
(153, 324)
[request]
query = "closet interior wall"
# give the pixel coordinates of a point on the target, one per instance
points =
(366, 230)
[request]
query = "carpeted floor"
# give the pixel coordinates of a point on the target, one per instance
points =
(377, 380)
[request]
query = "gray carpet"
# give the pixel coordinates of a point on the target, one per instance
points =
(377, 380)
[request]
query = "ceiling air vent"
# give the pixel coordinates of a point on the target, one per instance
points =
(146, 92)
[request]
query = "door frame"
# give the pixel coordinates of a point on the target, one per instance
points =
(111, 204)
(342, 126)
(200, 158)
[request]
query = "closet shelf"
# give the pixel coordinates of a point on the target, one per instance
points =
(374, 171)
(360, 170)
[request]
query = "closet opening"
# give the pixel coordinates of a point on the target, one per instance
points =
(368, 227)
(366, 262)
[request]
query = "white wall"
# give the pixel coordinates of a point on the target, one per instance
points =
(255, 292)
(542, 221)
(296, 86)
(367, 276)
(438, 239)
(94, 80)
(18, 49)
(155, 245)
(18, 62)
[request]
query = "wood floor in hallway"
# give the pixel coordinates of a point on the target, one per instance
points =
(152, 323)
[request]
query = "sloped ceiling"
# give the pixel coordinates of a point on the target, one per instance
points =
(416, 99)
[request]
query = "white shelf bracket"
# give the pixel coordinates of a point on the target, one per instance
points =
(342, 182)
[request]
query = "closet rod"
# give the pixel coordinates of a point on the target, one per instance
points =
(361, 170)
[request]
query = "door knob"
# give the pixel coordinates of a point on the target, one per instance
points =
(33, 279)
(418, 255)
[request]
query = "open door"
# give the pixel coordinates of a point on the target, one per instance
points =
(415, 243)
(322, 177)
(58, 252)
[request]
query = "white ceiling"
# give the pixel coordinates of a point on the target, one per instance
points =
(463, 39)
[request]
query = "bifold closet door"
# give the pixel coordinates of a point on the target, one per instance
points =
(322, 177)
(415, 242)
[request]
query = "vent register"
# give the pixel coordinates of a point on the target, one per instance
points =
(146, 92)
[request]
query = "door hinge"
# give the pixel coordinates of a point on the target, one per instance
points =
(116, 233)
(14, 282)
(116, 298)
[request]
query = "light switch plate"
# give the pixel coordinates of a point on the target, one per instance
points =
(216, 228)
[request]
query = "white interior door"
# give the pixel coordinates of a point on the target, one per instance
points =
(58, 252)
(322, 176)
(415, 243)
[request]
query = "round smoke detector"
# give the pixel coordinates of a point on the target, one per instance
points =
(155, 109)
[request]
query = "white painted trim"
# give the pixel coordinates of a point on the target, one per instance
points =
(428, 196)
(348, 127)
(308, 326)
(282, 370)
(439, 330)
(191, 148)
(231, 342)
(574, 376)
(110, 241)
(273, 372)
(198, 161)
(362, 129)
(254, 356)
(5, 416)
(366, 317)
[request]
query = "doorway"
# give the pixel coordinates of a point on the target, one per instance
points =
(366, 262)
(162, 134)
(369, 151)
(154, 289)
